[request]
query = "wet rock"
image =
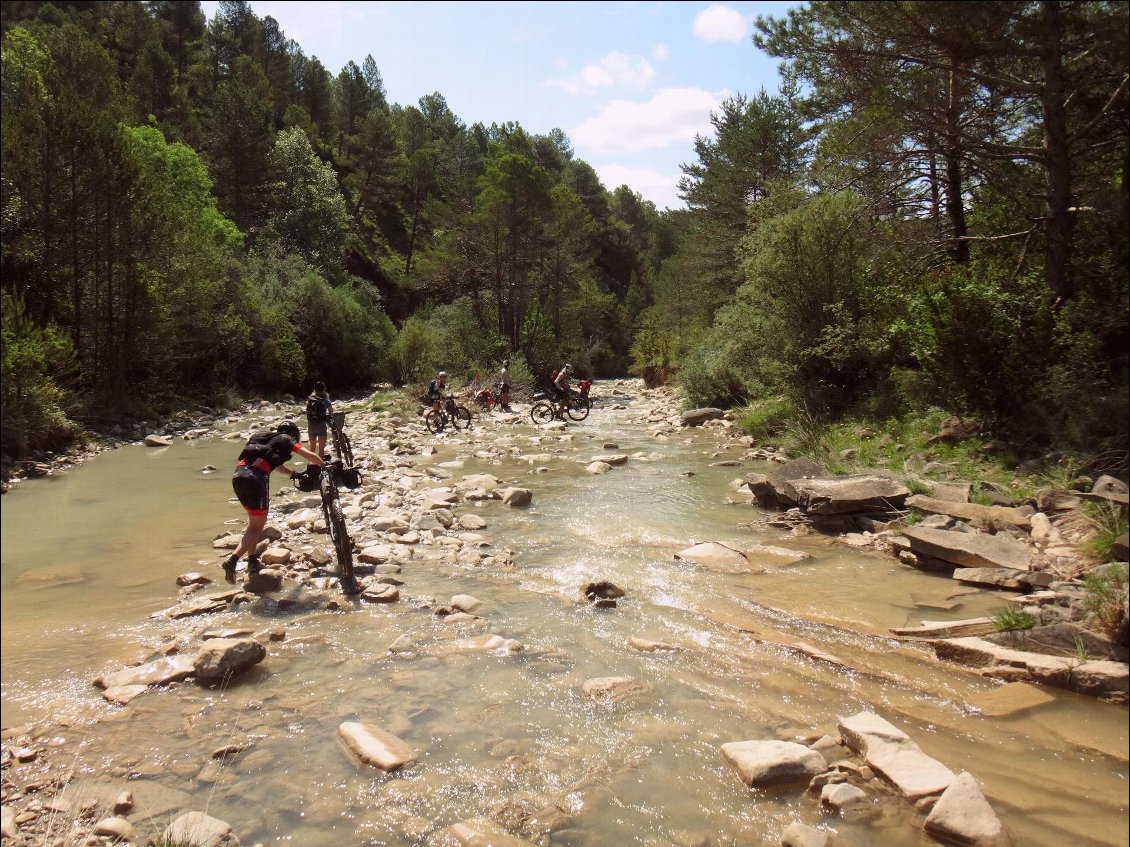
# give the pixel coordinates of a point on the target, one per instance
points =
(844, 797)
(117, 828)
(465, 603)
(1006, 578)
(646, 646)
(380, 593)
(770, 490)
(158, 672)
(373, 746)
(157, 441)
(266, 581)
(963, 816)
(602, 590)
(891, 753)
(803, 835)
(193, 578)
(471, 522)
(1010, 699)
(123, 803)
(123, 694)
(716, 556)
(224, 658)
(763, 763)
(497, 644)
(196, 829)
(483, 833)
(516, 497)
(611, 690)
(598, 468)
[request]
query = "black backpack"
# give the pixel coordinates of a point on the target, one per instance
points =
(258, 447)
(316, 409)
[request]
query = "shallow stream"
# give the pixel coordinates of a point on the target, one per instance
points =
(88, 554)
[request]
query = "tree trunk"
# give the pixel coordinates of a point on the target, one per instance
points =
(955, 203)
(1059, 225)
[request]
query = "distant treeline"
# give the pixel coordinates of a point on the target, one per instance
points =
(931, 212)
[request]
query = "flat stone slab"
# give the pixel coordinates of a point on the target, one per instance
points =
(1001, 515)
(1005, 578)
(158, 672)
(610, 690)
(196, 829)
(847, 495)
(719, 557)
(1009, 699)
(947, 629)
(1104, 679)
(373, 746)
(968, 550)
(891, 753)
(762, 763)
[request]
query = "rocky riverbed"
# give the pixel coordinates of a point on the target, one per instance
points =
(412, 511)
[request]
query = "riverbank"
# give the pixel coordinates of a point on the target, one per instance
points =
(414, 485)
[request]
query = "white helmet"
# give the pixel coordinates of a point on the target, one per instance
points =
(442, 373)
(568, 367)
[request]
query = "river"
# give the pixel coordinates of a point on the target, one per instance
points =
(89, 554)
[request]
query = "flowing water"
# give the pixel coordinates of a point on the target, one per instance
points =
(89, 554)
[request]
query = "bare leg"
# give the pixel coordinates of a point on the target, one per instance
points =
(255, 526)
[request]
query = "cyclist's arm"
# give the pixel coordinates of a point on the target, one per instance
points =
(308, 455)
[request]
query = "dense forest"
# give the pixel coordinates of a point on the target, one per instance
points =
(931, 212)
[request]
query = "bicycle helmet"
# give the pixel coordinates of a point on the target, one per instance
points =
(442, 373)
(319, 387)
(288, 428)
(568, 367)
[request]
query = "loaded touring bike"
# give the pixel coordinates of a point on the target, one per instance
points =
(326, 479)
(577, 405)
(343, 447)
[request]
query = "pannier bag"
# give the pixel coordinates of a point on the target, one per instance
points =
(348, 477)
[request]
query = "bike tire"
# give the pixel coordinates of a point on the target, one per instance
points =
(345, 450)
(435, 421)
(542, 412)
(343, 546)
(579, 408)
(462, 417)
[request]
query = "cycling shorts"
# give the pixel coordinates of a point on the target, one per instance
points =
(252, 488)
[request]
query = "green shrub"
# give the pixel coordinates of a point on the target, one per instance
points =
(1105, 600)
(765, 419)
(1009, 618)
(1108, 522)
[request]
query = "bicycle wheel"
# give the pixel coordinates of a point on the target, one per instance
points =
(435, 421)
(542, 412)
(343, 547)
(462, 417)
(345, 450)
(579, 407)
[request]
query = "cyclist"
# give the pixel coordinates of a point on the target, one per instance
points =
(435, 390)
(504, 386)
(319, 413)
(263, 453)
(561, 388)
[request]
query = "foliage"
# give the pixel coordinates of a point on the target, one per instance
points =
(1105, 600)
(34, 407)
(1108, 522)
(1009, 618)
(765, 419)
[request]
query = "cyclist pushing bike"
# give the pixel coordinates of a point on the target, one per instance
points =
(435, 390)
(561, 388)
(264, 453)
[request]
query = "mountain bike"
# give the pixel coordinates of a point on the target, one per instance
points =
(326, 480)
(546, 408)
(342, 445)
(450, 412)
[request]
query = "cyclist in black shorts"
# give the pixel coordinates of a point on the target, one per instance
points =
(263, 453)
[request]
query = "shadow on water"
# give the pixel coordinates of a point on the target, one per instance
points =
(778, 654)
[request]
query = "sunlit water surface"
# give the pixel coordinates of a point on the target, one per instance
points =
(89, 554)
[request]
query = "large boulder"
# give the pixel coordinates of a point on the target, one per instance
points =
(849, 495)
(516, 497)
(762, 763)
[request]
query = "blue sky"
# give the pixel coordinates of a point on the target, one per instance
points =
(630, 83)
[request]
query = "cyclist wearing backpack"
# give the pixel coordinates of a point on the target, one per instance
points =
(435, 390)
(263, 453)
(319, 412)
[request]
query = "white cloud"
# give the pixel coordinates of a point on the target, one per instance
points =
(720, 23)
(660, 188)
(660, 52)
(672, 116)
(616, 70)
